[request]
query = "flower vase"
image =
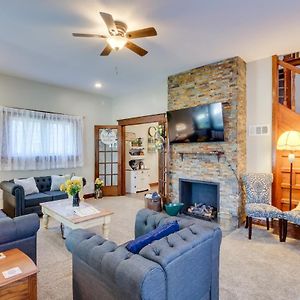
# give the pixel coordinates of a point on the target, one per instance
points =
(76, 200)
(98, 194)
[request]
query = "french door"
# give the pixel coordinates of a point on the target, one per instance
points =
(108, 158)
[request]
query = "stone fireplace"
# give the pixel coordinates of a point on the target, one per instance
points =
(221, 163)
(196, 194)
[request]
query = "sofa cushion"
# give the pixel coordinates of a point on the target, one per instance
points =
(2, 214)
(28, 184)
(139, 243)
(43, 183)
(57, 195)
(57, 181)
(36, 199)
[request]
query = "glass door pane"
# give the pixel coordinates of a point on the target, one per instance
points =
(107, 158)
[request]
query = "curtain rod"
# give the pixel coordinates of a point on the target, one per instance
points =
(43, 111)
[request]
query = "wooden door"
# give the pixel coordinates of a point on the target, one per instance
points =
(163, 178)
(108, 158)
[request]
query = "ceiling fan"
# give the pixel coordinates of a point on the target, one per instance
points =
(119, 37)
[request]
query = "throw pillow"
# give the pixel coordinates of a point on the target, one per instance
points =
(77, 178)
(57, 181)
(67, 176)
(139, 243)
(28, 184)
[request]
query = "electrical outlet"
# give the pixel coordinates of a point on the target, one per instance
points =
(255, 130)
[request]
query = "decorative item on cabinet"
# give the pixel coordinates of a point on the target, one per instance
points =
(156, 138)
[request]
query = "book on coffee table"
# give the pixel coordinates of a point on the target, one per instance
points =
(85, 211)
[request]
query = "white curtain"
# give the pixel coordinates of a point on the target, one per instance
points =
(33, 140)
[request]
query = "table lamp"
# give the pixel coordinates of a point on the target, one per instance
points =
(289, 141)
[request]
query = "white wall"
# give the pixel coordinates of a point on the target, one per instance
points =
(151, 159)
(259, 112)
(150, 101)
(23, 93)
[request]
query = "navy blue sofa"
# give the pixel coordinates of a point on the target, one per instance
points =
(181, 266)
(15, 203)
(20, 232)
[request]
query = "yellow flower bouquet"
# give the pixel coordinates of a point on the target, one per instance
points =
(99, 183)
(72, 187)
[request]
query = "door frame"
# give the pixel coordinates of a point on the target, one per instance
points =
(96, 146)
(159, 118)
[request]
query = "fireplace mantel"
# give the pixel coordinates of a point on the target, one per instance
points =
(216, 153)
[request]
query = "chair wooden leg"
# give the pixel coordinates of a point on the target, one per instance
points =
(284, 230)
(272, 223)
(247, 222)
(250, 228)
(280, 230)
(268, 224)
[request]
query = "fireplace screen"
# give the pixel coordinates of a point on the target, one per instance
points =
(200, 198)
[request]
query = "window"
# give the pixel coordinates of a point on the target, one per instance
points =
(37, 140)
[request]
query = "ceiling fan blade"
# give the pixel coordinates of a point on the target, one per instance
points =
(89, 35)
(110, 23)
(150, 31)
(106, 51)
(135, 48)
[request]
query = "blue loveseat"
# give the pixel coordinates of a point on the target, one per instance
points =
(181, 266)
(15, 203)
(20, 233)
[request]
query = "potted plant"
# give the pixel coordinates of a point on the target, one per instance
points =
(72, 188)
(98, 188)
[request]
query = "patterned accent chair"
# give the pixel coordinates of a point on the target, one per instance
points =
(292, 216)
(258, 200)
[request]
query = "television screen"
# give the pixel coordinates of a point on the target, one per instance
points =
(203, 123)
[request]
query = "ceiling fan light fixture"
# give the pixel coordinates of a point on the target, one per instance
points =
(116, 42)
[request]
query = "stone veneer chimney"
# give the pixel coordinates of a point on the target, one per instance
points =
(224, 81)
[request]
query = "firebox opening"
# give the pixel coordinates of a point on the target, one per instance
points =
(200, 198)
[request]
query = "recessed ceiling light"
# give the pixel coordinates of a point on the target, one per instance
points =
(97, 85)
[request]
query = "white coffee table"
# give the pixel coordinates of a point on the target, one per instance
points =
(63, 212)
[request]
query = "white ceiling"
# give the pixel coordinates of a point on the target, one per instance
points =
(36, 40)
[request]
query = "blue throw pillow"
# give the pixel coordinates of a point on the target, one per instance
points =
(135, 246)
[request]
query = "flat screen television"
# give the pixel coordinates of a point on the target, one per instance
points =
(203, 123)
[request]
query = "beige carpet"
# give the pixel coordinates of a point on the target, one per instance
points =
(261, 268)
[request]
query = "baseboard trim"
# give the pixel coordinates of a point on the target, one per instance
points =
(87, 196)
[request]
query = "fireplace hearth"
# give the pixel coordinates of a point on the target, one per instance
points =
(200, 198)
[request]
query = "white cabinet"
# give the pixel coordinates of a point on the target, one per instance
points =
(137, 180)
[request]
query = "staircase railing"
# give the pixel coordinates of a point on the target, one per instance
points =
(286, 83)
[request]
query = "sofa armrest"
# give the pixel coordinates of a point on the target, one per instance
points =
(13, 198)
(18, 228)
(81, 243)
(11, 187)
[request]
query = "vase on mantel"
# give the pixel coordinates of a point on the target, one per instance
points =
(98, 193)
(76, 200)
